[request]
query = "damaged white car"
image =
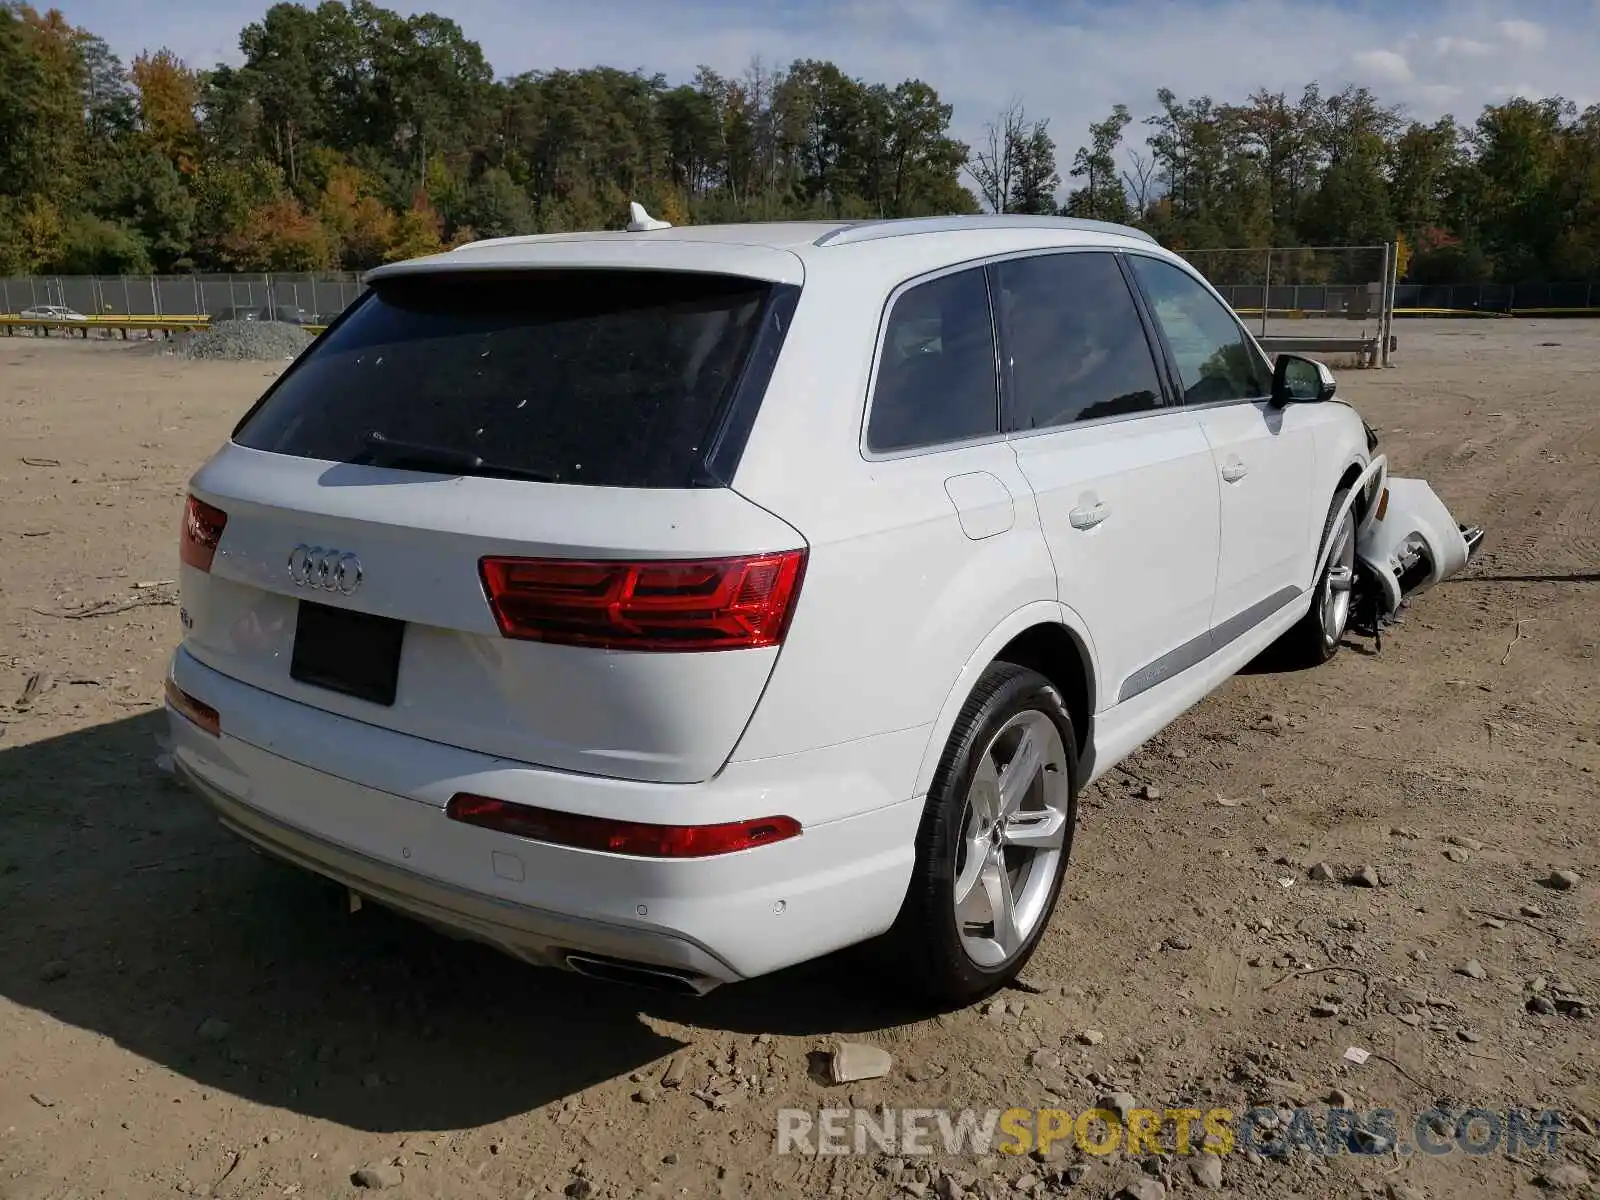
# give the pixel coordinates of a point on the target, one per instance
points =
(676, 605)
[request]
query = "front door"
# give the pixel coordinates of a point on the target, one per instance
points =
(1264, 458)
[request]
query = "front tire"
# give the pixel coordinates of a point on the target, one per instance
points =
(1316, 637)
(994, 842)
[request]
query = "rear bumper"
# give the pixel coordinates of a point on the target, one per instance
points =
(364, 807)
(534, 934)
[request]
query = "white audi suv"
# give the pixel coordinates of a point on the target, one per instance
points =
(676, 605)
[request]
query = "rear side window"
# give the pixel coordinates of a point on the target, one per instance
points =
(608, 378)
(936, 374)
(1077, 347)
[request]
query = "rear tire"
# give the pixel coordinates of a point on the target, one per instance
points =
(1315, 638)
(994, 842)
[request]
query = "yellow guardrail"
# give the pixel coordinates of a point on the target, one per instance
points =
(1297, 314)
(168, 323)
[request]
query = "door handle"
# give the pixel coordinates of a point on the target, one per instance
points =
(1234, 472)
(1088, 518)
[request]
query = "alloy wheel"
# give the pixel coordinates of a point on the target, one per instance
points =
(1013, 832)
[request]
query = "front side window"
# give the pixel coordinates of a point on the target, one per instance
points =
(1216, 361)
(1077, 348)
(936, 380)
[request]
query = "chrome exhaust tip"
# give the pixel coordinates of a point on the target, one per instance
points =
(631, 974)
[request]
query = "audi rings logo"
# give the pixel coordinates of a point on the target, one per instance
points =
(324, 569)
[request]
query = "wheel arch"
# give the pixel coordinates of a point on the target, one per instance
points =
(1361, 476)
(1046, 637)
(1352, 475)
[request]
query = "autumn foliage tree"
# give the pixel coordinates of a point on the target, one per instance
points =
(168, 94)
(419, 231)
(279, 236)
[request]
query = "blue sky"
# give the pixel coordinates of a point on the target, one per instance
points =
(1068, 60)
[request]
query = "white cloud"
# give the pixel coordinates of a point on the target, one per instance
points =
(1464, 47)
(1505, 91)
(1383, 66)
(1068, 60)
(1526, 35)
(1437, 95)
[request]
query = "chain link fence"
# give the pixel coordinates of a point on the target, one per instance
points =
(1302, 291)
(1283, 291)
(1330, 300)
(1529, 299)
(318, 298)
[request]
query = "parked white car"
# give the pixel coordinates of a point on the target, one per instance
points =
(676, 605)
(51, 312)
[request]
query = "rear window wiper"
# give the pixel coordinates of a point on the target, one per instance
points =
(384, 451)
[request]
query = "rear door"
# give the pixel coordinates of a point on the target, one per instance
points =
(490, 511)
(1126, 488)
(1265, 457)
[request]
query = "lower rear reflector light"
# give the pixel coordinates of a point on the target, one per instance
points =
(194, 710)
(619, 837)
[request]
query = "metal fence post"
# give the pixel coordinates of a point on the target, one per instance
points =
(1394, 292)
(1266, 293)
(1383, 307)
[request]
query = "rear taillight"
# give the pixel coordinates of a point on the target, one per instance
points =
(706, 604)
(618, 837)
(202, 530)
(200, 713)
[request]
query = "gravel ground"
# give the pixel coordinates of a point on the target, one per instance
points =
(247, 341)
(181, 1016)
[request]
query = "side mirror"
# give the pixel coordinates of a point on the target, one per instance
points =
(1297, 380)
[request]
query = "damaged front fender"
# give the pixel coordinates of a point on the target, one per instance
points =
(1409, 543)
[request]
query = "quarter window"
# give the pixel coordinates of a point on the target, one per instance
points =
(1216, 361)
(936, 377)
(1077, 347)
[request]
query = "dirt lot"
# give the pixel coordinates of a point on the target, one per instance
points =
(179, 1015)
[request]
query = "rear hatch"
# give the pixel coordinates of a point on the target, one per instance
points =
(491, 510)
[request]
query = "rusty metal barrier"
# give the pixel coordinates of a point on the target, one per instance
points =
(123, 324)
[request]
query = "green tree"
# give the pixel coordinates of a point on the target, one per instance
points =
(143, 192)
(1519, 156)
(1102, 196)
(42, 81)
(350, 133)
(91, 245)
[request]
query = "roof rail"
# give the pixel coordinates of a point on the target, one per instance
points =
(871, 231)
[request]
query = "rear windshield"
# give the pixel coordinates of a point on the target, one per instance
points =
(608, 378)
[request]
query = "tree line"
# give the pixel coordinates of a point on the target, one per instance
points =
(351, 135)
